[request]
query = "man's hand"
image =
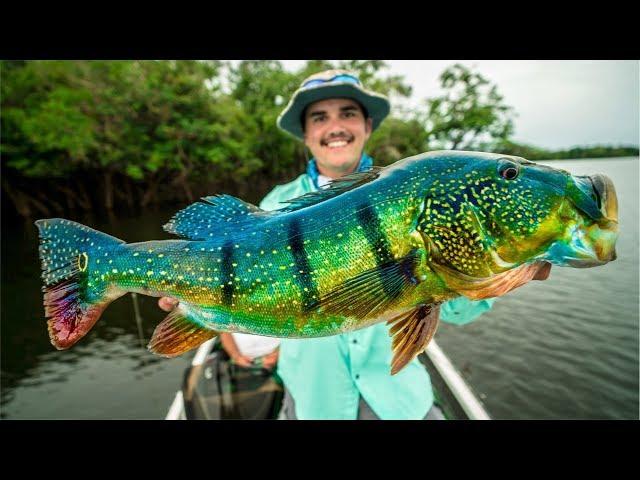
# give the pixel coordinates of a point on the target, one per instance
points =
(167, 303)
(269, 361)
(242, 360)
(543, 272)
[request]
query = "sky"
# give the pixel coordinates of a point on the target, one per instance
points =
(559, 103)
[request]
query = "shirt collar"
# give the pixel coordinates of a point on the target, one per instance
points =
(366, 162)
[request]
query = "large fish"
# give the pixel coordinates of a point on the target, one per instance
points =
(389, 244)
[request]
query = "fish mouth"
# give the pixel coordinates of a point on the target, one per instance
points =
(595, 196)
(592, 240)
(606, 196)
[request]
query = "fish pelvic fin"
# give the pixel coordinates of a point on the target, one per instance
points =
(178, 333)
(412, 331)
(72, 303)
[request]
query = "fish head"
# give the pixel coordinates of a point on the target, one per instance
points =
(485, 214)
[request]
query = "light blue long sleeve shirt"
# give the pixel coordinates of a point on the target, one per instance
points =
(326, 376)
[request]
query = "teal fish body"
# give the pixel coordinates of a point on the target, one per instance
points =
(389, 245)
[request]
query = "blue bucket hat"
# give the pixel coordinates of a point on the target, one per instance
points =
(331, 84)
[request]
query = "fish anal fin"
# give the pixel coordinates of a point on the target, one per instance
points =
(370, 293)
(177, 334)
(412, 331)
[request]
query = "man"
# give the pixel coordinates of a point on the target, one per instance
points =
(347, 376)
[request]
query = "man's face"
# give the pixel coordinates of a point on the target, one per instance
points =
(336, 132)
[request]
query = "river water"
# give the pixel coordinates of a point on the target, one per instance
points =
(565, 348)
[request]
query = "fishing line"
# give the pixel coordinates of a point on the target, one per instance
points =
(136, 310)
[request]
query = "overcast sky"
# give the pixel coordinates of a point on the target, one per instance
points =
(559, 103)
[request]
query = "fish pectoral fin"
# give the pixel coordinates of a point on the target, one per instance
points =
(412, 331)
(495, 285)
(370, 293)
(178, 334)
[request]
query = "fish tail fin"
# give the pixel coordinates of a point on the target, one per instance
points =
(72, 302)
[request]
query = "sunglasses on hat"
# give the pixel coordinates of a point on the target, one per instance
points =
(343, 77)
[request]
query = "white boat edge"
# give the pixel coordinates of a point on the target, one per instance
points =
(459, 388)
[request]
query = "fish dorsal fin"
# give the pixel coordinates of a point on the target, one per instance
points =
(412, 331)
(204, 219)
(371, 292)
(335, 187)
(178, 334)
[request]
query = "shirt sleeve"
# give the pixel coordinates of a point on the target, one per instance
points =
(277, 197)
(461, 310)
(272, 200)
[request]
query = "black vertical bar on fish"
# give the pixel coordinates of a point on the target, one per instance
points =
(227, 274)
(370, 223)
(302, 268)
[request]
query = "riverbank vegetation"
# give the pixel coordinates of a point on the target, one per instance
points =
(594, 151)
(105, 135)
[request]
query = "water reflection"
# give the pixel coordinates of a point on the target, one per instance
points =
(108, 356)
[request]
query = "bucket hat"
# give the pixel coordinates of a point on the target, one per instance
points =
(331, 84)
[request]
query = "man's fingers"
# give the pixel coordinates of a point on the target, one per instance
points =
(242, 360)
(167, 303)
(543, 272)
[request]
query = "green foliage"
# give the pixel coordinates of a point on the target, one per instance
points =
(470, 112)
(87, 133)
(128, 117)
(535, 153)
(396, 139)
(260, 89)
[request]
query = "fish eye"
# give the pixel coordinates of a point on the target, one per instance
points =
(508, 170)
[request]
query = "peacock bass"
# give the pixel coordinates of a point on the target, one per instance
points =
(389, 244)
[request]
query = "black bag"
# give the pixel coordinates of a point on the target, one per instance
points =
(220, 389)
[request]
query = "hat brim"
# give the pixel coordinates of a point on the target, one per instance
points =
(289, 120)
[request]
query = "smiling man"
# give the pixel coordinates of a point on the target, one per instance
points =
(334, 116)
(346, 376)
(336, 131)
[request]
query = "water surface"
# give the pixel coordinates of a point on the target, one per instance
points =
(566, 348)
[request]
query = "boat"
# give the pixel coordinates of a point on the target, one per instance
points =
(215, 389)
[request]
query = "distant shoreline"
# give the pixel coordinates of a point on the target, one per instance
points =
(533, 153)
(621, 157)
